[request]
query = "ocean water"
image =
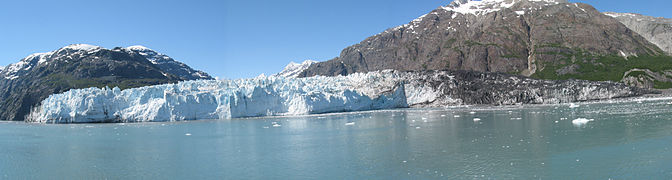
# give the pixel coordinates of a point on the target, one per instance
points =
(625, 140)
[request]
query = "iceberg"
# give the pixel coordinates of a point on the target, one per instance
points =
(581, 121)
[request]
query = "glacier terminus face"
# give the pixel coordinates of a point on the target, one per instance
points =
(223, 99)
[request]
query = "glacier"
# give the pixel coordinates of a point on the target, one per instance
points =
(223, 99)
(277, 96)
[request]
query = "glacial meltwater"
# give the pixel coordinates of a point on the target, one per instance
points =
(615, 140)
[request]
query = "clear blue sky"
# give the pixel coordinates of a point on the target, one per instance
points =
(226, 38)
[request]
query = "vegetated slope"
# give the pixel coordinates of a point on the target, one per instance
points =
(659, 32)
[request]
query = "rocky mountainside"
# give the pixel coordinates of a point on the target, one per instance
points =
(25, 83)
(655, 29)
(169, 65)
(547, 39)
(659, 32)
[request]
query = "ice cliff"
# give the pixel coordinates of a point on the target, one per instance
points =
(222, 99)
(276, 95)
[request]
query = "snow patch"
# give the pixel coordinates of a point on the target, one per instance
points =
(483, 7)
(138, 48)
(81, 47)
(478, 7)
(15, 70)
(613, 14)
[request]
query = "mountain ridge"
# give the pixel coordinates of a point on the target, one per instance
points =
(542, 39)
(657, 30)
(164, 62)
(26, 83)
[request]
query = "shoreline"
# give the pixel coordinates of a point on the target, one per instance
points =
(664, 95)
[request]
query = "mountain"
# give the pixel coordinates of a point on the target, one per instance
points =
(294, 69)
(547, 39)
(659, 32)
(655, 29)
(25, 83)
(277, 95)
(169, 65)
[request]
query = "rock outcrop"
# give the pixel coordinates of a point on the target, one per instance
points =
(658, 30)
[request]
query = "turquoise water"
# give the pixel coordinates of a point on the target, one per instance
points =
(627, 140)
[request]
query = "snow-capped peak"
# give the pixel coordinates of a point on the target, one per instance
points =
(35, 59)
(293, 69)
(82, 47)
(151, 55)
(294, 65)
(138, 48)
(166, 63)
(483, 7)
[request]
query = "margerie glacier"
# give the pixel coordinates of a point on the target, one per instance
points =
(223, 99)
(278, 95)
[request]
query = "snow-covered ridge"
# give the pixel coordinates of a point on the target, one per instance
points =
(294, 69)
(16, 70)
(168, 64)
(479, 8)
(483, 7)
(223, 99)
(81, 47)
(138, 48)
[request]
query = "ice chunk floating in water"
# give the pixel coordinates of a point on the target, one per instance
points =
(581, 121)
(572, 105)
